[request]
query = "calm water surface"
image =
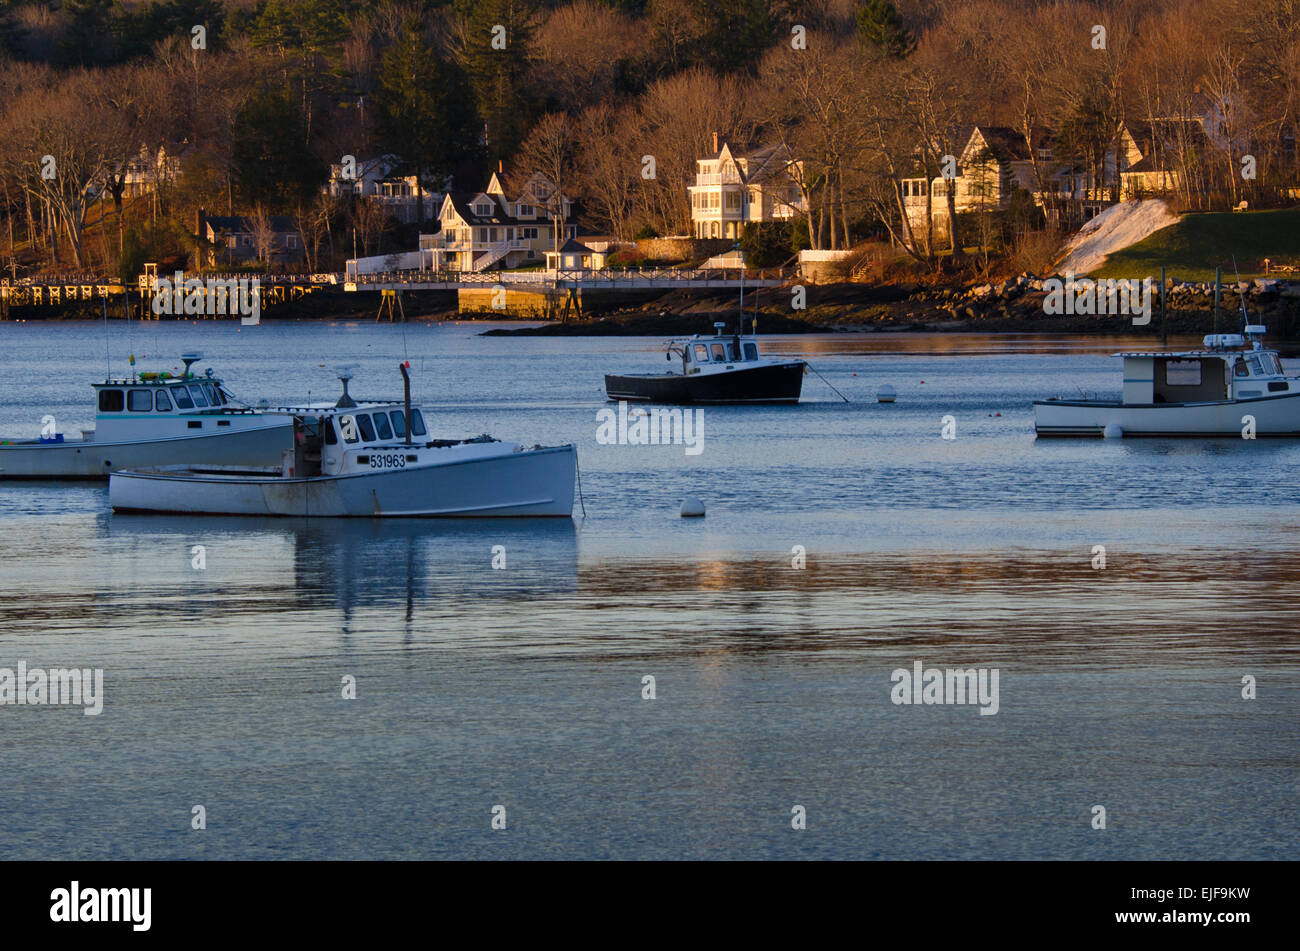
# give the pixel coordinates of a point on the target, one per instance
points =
(523, 687)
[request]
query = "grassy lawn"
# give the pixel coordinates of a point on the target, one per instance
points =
(1190, 249)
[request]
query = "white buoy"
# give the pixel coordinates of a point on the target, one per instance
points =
(886, 394)
(692, 507)
(1113, 431)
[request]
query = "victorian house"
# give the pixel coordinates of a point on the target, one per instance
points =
(492, 229)
(732, 189)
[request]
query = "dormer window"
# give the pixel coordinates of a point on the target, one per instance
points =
(483, 211)
(526, 211)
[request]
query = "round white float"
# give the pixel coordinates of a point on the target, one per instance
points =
(692, 507)
(1113, 431)
(886, 394)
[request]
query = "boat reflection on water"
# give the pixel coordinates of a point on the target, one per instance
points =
(279, 564)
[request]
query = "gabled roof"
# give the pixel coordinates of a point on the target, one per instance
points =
(242, 224)
(766, 163)
(573, 247)
(1003, 142)
(758, 166)
(463, 203)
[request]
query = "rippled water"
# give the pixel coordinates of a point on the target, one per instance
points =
(522, 687)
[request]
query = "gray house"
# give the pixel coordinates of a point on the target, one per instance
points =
(239, 239)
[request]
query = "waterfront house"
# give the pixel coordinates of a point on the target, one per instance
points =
(239, 239)
(492, 229)
(391, 182)
(733, 188)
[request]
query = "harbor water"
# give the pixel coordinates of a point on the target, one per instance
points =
(632, 684)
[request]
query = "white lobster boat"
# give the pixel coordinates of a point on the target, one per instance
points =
(1231, 387)
(150, 420)
(364, 461)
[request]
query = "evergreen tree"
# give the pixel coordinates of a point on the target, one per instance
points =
(740, 32)
(272, 165)
(424, 109)
(880, 25)
(499, 36)
(87, 40)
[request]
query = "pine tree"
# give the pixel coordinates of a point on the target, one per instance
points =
(880, 25)
(424, 109)
(497, 60)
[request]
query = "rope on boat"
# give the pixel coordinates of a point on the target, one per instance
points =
(826, 381)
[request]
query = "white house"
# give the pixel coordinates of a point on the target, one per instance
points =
(490, 229)
(387, 180)
(733, 189)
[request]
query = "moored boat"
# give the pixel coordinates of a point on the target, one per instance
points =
(1233, 386)
(154, 419)
(366, 460)
(723, 368)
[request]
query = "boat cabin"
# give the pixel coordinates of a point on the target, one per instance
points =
(160, 393)
(335, 440)
(1215, 374)
(701, 354)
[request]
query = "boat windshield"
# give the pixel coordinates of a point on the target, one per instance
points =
(751, 351)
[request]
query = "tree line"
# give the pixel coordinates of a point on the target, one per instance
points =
(260, 97)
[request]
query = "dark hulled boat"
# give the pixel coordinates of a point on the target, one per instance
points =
(724, 368)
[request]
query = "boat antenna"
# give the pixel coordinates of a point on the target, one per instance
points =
(108, 360)
(404, 366)
(189, 359)
(1245, 318)
(345, 373)
(740, 317)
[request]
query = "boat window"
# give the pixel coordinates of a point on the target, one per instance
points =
(182, 397)
(1183, 373)
(349, 426)
(1271, 363)
(719, 353)
(211, 392)
(331, 435)
(366, 426)
(381, 426)
(701, 353)
(162, 402)
(751, 351)
(1240, 369)
(399, 423)
(1255, 367)
(417, 423)
(111, 401)
(196, 391)
(139, 401)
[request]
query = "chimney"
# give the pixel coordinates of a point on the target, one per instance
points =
(715, 144)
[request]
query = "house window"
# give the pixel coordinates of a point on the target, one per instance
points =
(483, 210)
(291, 241)
(529, 234)
(526, 211)
(733, 201)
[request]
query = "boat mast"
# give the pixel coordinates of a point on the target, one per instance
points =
(406, 396)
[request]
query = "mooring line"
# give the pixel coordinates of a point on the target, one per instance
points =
(827, 382)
